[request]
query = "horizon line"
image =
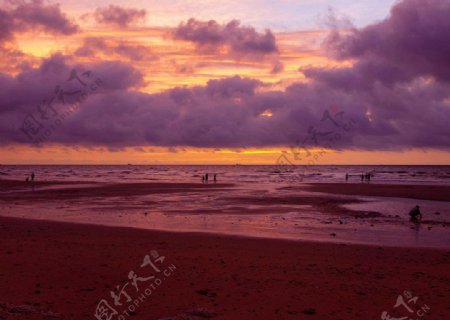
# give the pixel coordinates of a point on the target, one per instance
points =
(210, 164)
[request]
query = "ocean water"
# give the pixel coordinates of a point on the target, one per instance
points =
(229, 173)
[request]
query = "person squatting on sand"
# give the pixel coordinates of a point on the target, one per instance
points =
(415, 214)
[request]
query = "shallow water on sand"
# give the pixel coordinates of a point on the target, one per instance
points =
(221, 211)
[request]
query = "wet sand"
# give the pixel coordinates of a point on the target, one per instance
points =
(259, 210)
(52, 270)
(76, 189)
(55, 190)
(423, 192)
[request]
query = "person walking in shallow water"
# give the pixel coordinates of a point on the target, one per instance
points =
(346, 177)
(215, 177)
(32, 176)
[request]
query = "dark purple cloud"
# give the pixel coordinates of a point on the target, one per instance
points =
(34, 15)
(6, 26)
(119, 16)
(227, 112)
(362, 75)
(135, 52)
(21, 95)
(231, 87)
(239, 39)
(400, 75)
(240, 42)
(414, 41)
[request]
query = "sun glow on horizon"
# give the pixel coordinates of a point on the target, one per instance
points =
(56, 154)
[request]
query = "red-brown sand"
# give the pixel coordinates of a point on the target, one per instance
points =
(54, 270)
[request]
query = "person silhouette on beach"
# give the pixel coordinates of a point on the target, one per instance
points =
(415, 214)
(215, 177)
(203, 179)
(346, 177)
(32, 181)
(206, 177)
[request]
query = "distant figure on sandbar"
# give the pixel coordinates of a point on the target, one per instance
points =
(415, 214)
(215, 177)
(32, 181)
(346, 177)
(206, 177)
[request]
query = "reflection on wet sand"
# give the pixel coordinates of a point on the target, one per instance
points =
(266, 210)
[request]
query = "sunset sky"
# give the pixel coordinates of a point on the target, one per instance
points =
(225, 82)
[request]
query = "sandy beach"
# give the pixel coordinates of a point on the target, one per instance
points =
(58, 270)
(61, 271)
